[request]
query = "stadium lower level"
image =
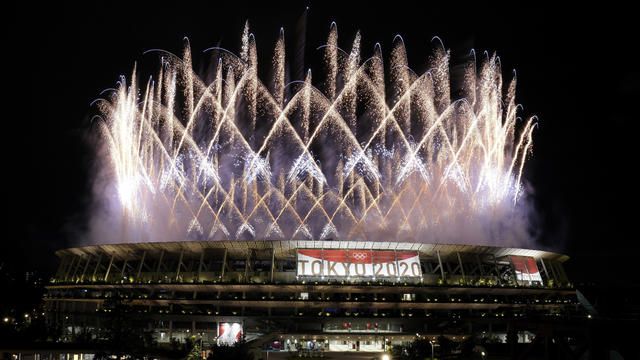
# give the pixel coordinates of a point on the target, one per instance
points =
(312, 295)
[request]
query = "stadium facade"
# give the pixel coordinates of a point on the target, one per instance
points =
(317, 295)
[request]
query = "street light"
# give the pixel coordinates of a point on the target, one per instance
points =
(432, 346)
(202, 346)
(385, 357)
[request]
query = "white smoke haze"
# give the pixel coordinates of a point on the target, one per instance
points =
(372, 151)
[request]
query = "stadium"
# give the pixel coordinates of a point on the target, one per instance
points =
(369, 166)
(313, 295)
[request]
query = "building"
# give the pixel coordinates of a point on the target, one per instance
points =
(316, 295)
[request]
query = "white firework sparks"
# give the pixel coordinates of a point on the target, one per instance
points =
(359, 153)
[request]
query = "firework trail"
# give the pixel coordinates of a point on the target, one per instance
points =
(366, 153)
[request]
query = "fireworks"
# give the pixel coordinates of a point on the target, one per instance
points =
(365, 153)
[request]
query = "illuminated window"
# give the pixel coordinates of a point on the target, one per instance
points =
(304, 296)
(408, 297)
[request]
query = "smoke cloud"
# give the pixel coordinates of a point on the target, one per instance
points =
(372, 152)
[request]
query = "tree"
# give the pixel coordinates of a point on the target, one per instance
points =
(238, 351)
(446, 345)
(416, 350)
(469, 348)
(121, 334)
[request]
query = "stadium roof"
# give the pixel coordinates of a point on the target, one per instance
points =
(286, 248)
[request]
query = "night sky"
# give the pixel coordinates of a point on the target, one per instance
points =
(578, 75)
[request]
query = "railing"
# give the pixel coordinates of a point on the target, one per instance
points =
(290, 279)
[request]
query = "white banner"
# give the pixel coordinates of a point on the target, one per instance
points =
(526, 269)
(358, 263)
(229, 333)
